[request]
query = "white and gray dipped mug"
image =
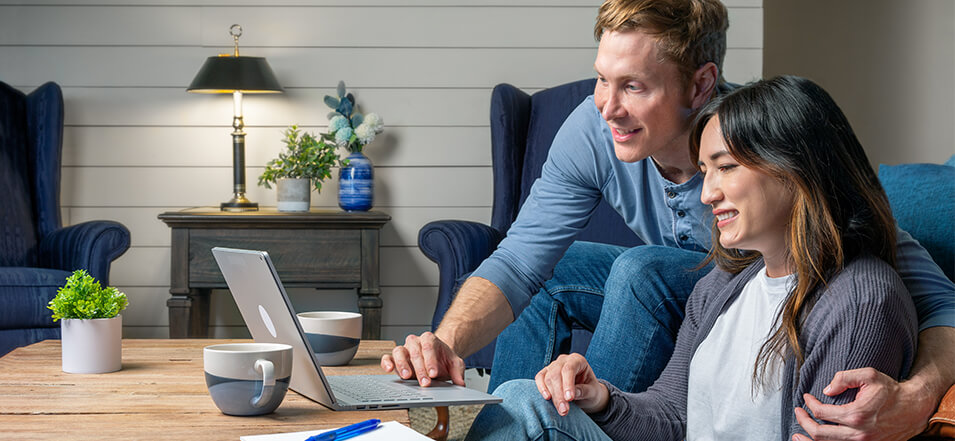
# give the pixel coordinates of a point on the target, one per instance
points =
(247, 379)
(333, 335)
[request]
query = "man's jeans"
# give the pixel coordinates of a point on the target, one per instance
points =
(632, 299)
(525, 415)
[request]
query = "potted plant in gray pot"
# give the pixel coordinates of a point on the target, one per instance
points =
(90, 324)
(306, 160)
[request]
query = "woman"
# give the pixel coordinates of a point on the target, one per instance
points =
(804, 244)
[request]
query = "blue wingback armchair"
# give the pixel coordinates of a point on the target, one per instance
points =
(522, 129)
(36, 252)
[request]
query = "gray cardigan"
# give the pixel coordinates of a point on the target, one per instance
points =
(864, 317)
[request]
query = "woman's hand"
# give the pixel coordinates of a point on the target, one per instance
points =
(570, 378)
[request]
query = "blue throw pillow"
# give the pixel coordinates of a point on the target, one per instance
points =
(922, 197)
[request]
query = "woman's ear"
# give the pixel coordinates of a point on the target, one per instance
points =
(703, 84)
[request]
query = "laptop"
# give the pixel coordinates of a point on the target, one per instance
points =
(269, 315)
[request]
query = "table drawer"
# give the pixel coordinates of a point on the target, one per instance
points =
(301, 256)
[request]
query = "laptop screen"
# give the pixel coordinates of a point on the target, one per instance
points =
(270, 317)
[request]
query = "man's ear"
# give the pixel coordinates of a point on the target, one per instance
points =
(703, 85)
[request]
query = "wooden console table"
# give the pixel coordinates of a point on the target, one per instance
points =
(160, 394)
(315, 249)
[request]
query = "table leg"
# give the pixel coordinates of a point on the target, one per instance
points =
(189, 314)
(369, 304)
(369, 296)
(440, 431)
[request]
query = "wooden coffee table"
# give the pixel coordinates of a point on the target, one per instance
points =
(159, 394)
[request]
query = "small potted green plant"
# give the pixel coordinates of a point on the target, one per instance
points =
(90, 324)
(306, 160)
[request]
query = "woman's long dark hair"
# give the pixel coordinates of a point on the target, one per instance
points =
(790, 129)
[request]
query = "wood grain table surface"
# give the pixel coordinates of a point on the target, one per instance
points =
(159, 394)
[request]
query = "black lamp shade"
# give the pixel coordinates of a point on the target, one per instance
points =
(227, 74)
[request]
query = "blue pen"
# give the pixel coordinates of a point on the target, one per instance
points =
(347, 431)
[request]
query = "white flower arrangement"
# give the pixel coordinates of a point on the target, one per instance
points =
(347, 127)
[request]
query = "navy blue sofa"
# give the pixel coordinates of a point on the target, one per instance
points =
(522, 129)
(36, 252)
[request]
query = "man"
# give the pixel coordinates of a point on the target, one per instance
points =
(658, 61)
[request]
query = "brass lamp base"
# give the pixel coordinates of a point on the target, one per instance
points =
(239, 203)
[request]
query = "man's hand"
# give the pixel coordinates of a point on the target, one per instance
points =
(427, 358)
(477, 315)
(883, 409)
(570, 378)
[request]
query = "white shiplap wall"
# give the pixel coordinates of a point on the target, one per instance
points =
(136, 144)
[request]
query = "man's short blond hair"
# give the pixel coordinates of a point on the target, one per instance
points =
(689, 33)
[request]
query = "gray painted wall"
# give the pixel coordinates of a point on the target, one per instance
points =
(890, 64)
(136, 144)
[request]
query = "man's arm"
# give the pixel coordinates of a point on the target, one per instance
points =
(478, 314)
(932, 375)
(934, 372)
(559, 205)
(885, 409)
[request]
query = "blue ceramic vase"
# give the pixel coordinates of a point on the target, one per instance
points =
(356, 184)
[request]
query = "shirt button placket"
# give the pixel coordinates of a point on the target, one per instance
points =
(680, 213)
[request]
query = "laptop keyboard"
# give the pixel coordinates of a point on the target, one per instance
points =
(370, 389)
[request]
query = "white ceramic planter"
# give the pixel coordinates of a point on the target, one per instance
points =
(92, 346)
(293, 194)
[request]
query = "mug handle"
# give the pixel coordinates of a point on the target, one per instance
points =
(268, 382)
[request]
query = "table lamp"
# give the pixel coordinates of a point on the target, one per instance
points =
(236, 75)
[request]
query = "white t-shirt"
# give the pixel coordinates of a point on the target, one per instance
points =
(722, 402)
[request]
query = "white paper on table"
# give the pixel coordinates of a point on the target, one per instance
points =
(387, 431)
